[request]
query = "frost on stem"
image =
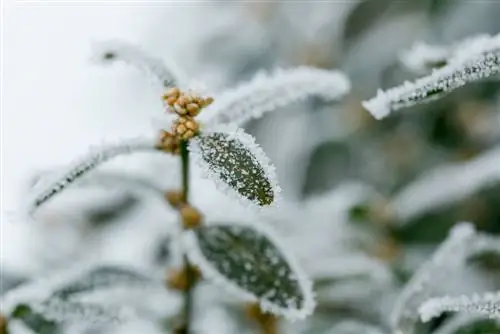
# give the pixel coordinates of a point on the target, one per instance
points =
(237, 164)
(447, 184)
(79, 168)
(251, 263)
(167, 73)
(449, 256)
(473, 61)
(266, 93)
(487, 304)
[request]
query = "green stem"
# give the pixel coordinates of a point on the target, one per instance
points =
(190, 276)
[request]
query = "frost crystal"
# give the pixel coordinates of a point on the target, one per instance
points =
(447, 184)
(447, 257)
(487, 304)
(237, 164)
(422, 57)
(83, 165)
(473, 61)
(266, 93)
(251, 263)
(168, 74)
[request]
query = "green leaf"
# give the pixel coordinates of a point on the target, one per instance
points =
(236, 162)
(102, 278)
(36, 322)
(250, 262)
(481, 327)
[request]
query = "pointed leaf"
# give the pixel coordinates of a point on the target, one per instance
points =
(474, 61)
(237, 164)
(250, 262)
(102, 278)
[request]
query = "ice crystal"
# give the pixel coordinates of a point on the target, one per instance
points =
(487, 304)
(237, 164)
(266, 93)
(472, 62)
(251, 263)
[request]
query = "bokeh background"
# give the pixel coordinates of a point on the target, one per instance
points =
(340, 169)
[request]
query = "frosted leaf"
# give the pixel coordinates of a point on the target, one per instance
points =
(267, 93)
(58, 310)
(446, 184)
(251, 263)
(103, 277)
(167, 73)
(354, 327)
(34, 321)
(62, 179)
(449, 255)
(486, 304)
(470, 63)
(237, 164)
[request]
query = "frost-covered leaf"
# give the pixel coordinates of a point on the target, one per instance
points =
(35, 321)
(447, 184)
(450, 255)
(102, 278)
(237, 164)
(267, 93)
(472, 62)
(59, 311)
(487, 304)
(167, 73)
(250, 262)
(64, 178)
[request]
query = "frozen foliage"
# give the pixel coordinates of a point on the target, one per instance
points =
(472, 62)
(87, 163)
(266, 93)
(487, 304)
(166, 73)
(90, 314)
(237, 164)
(447, 184)
(56, 297)
(250, 262)
(446, 258)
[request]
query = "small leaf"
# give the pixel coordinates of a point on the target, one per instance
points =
(238, 164)
(101, 278)
(60, 311)
(249, 262)
(38, 323)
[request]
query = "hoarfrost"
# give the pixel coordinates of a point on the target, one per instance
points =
(474, 61)
(486, 304)
(266, 93)
(222, 251)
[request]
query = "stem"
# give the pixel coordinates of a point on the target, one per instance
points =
(190, 276)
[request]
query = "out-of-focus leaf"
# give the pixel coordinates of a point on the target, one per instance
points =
(34, 321)
(9, 281)
(101, 278)
(249, 262)
(234, 160)
(362, 17)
